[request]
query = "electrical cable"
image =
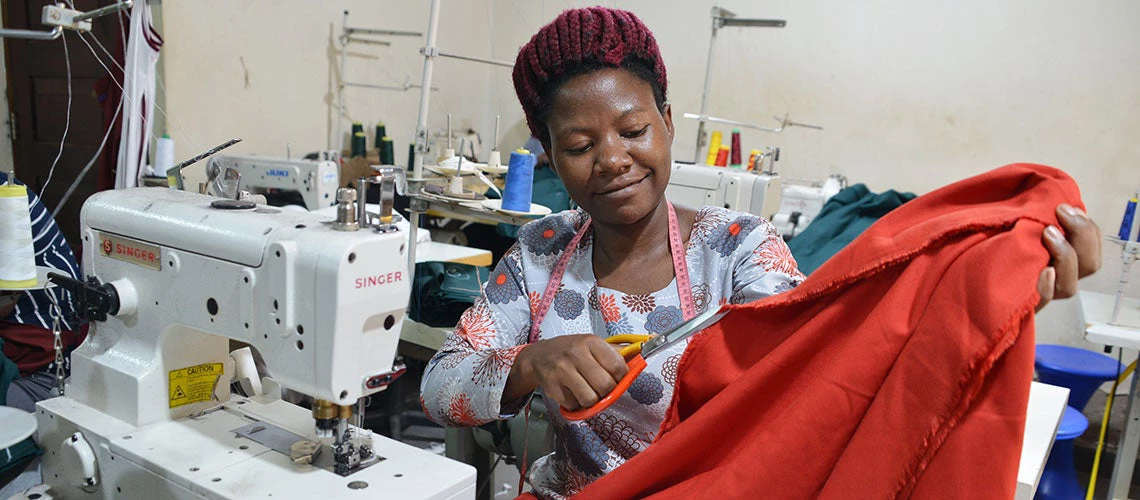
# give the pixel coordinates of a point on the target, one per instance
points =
(177, 129)
(83, 173)
(487, 480)
(67, 120)
(1104, 423)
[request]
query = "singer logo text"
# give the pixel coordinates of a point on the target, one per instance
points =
(131, 251)
(379, 279)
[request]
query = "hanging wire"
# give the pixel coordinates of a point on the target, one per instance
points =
(67, 120)
(83, 173)
(177, 129)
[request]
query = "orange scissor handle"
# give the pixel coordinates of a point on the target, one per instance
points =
(636, 364)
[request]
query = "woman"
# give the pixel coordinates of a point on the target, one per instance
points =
(592, 84)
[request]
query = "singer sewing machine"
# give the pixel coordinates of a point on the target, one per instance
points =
(756, 192)
(173, 278)
(285, 181)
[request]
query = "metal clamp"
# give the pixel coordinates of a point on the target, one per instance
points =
(60, 16)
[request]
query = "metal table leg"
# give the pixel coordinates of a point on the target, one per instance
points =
(1127, 447)
(460, 445)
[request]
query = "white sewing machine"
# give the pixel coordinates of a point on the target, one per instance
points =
(313, 181)
(741, 190)
(148, 411)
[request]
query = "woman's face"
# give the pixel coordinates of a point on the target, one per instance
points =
(610, 145)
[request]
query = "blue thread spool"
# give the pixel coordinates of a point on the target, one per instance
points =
(1129, 214)
(520, 181)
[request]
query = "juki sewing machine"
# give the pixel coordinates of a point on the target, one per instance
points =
(173, 278)
(288, 180)
(756, 191)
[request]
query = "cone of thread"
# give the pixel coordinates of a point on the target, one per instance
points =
(714, 147)
(17, 254)
(381, 133)
(722, 156)
(734, 155)
(387, 151)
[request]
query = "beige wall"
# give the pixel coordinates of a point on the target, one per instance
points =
(267, 71)
(913, 95)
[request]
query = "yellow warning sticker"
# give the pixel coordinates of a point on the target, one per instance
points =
(193, 384)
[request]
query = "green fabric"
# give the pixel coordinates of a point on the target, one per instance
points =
(8, 372)
(441, 291)
(19, 453)
(843, 218)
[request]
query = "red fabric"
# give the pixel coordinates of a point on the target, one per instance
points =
(33, 348)
(900, 368)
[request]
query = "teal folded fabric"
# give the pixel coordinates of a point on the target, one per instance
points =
(8, 372)
(843, 218)
(17, 454)
(441, 291)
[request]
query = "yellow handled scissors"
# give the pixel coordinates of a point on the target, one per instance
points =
(633, 343)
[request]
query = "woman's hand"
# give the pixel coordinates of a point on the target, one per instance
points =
(574, 370)
(1074, 258)
(8, 303)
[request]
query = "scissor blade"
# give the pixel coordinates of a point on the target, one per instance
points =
(686, 330)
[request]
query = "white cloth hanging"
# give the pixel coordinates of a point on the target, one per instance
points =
(139, 74)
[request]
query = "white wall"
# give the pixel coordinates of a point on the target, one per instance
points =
(913, 95)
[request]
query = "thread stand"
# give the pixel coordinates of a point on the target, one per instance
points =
(1130, 252)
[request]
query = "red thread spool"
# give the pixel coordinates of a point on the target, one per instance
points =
(735, 148)
(722, 156)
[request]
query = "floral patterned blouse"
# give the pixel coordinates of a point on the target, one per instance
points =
(732, 257)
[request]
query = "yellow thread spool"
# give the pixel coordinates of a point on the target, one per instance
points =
(714, 147)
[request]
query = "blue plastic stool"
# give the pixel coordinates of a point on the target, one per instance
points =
(1081, 371)
(1059, 479)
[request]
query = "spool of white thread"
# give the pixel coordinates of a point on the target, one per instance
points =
(17, 255)
(455, 184)
(496, 159)
(164, 155)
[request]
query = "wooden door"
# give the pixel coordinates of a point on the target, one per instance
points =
(38, 95)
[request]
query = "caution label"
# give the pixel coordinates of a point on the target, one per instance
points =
(193, 384)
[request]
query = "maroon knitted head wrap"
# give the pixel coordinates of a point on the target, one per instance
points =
(590, 37)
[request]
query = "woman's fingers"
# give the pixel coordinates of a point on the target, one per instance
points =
(1084, 236)
(1065, 262)
(609, 359)
(1045, 285)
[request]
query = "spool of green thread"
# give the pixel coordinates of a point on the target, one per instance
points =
(359, 142)
(381, 132)
(387, 151)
